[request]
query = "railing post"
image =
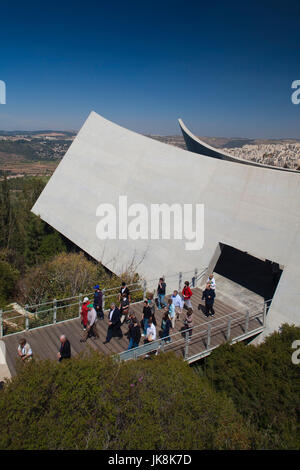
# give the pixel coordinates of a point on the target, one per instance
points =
(1, 324)
(103, 299)
(179, 281)
(54, 311)
(208, 336)
(145, 288)
(265, 314)
(26, 317)
(228, 329)
(79, 305)
(247, 321)
(186, 346)
(195, 277)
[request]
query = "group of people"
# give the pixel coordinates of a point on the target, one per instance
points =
(146, 327)
(24, 350)
(120, 315)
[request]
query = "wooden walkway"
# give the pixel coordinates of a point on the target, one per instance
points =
(44, 341)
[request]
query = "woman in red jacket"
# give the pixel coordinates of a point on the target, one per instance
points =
(187, 294)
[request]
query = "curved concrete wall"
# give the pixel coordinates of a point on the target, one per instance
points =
(194, 144)
(252, 209)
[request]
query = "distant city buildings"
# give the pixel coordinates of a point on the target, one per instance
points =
(286, 155)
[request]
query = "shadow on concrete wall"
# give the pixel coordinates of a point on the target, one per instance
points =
(252, 273)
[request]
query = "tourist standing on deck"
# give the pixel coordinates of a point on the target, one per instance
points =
(91, 330)
(171, 312)
(84, 313)
(211, 281)
(151, 303)
(209, 296)
(188, 322)
(146, 316)
(124, 290)
(114, 324)
(151, 332)
(134, 334)
(98, 302)
(124, 307)
(161, 292)
(178, 303)
(187, 294)
(165, 327)
(24, 350)
(65, 349)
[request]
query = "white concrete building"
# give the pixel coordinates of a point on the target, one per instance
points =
(250, 208)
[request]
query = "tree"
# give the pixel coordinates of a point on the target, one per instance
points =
(8, 281)
(93, 402)
(264, 385)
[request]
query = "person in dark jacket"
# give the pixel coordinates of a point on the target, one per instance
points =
(134, 335)
(124, 307)
(165, 327)
(98, 302)
(65, 349)
(209, 296)
(161, 292)
(124, 290)
(114, 324)
(147, 314)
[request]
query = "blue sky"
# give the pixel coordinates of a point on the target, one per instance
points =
(225, 68)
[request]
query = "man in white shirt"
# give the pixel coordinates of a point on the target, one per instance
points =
(24, 350)
(211, 281)
(151, 331)
(177, 302)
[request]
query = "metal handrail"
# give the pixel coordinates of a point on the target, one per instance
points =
(56, 303)
(162, 341)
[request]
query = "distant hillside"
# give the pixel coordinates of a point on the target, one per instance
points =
(41, 132)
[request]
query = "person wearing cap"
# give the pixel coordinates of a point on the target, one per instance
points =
(91, 326)
(84, 313)
(98, 302)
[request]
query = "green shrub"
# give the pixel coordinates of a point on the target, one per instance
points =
(92, 402)
(264, 385)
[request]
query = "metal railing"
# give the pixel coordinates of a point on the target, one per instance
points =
(69, 308)
(205, 333)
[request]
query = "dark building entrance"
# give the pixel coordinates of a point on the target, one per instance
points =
(259, 276)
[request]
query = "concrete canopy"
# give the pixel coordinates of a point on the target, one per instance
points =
(250, 208)
(194, 144)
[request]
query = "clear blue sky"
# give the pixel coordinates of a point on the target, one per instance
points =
(225, 68)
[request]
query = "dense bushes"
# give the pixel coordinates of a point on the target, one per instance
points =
(8, 281)
(94, 403)
(264, 385)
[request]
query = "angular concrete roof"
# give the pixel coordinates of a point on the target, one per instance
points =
(194, 144)
(251, 208)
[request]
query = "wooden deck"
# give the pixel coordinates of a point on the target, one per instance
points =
(44, 341)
